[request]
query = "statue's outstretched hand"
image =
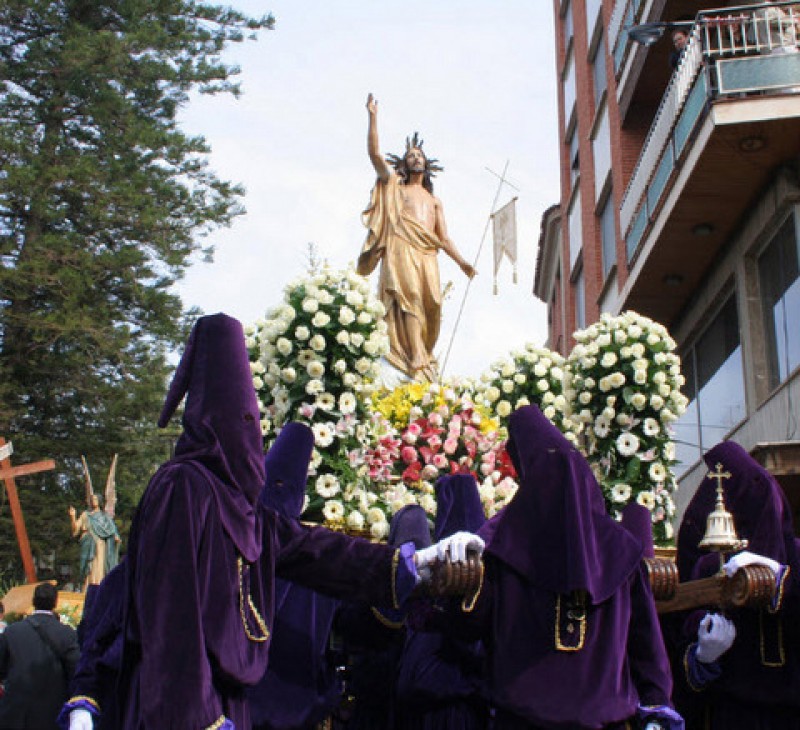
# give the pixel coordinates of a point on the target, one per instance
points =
(372, 104)
(468, 269)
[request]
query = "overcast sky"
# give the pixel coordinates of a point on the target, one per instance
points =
(477, 80)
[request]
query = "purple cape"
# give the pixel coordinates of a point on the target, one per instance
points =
(759, 675)
(203, 553)
(556, 532)
(555, 661)
(440, 678)
(300, 686)
(759, 507)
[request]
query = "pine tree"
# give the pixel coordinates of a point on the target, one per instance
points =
(103, 202)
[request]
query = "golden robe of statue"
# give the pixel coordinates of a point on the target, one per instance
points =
(406, 231)
(408, 284)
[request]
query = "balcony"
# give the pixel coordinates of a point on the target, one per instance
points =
(729, 118)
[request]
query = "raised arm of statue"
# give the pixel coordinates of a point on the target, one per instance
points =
(447, 244)
(373, 148)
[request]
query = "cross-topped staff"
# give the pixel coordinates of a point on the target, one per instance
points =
(719, 475)
(503, 181)
(7, 474)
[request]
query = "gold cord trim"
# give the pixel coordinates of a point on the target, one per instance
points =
(395, 563)
(218, 723)
(387, 621)
(781, 586)
(581, 619)
(262, 625)
(692, 685)
(468, 602)
(77, 698)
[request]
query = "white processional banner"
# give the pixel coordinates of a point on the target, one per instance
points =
(504, 228)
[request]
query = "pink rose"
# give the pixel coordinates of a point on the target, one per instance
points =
(450, 446)
(408, 454)
(440, 461)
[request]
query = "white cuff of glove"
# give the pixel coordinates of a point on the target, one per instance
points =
(80, 719)
(425, 557)
(748, 558)
(715, 636)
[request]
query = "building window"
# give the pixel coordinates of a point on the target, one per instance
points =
(714, 386)
(779, 281)
(579, 286)
(599, 71)
(574, 157)
(569, 88)
(575, 229)
(601, 150)
(608, 234)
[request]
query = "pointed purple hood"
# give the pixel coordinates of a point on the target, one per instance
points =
(221, 430)
(410, 524)
(286, 464)
(458, 506)
(761, 512)
(556, 532)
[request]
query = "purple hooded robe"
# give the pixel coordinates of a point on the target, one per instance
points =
(755, 685)
(203, 553)
(300, 686)
(566, 613)
(440, 682)
(373, 638)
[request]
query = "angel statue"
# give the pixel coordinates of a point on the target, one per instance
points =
(99, 537)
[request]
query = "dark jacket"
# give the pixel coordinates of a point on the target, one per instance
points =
(36, 676)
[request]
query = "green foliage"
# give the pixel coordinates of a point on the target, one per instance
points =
(103, 202)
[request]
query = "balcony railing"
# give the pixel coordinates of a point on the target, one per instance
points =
(737, 50)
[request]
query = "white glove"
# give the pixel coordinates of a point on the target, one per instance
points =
(80, 719)
(748, 558)
(715, 636)
(458, 545)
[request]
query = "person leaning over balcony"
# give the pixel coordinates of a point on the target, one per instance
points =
(680, 38)
(566, 612)
(743, 668)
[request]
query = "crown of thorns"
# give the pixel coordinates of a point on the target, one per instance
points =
(398, 162)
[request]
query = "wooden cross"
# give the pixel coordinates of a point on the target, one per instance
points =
(719, 475)
(7, 474)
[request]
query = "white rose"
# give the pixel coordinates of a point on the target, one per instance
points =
(346, 316)
(355, 521)
(310, 305)
(315, 369)
(317, 343)
(320, 319)
(284, 346)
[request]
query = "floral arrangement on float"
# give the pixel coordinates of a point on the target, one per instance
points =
(623, 379)
(443, 429)
(315, 359)
(533, 375)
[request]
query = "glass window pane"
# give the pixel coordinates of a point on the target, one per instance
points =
(779, 278)
(580, 302)
(608, 234)
(575, 230)
(599, 71)
(720, 377)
